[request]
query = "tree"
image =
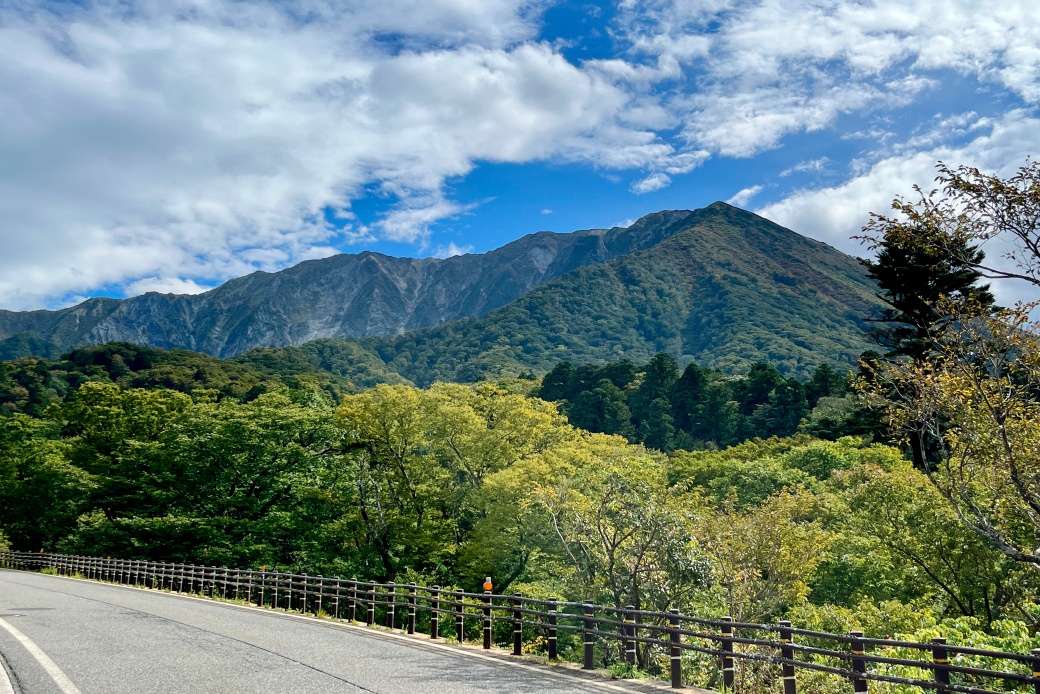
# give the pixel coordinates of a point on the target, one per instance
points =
(977, 208)
(825, 382)
(975, 393)
(625, 533)
(41, 493)
(602, 410)
(977, 397)
(916, 537)
(659, 377)
(764, 558)
(688, 396)
(559, 384)
(785, 409)
(656, 430)
(421, 458)
(914, 273)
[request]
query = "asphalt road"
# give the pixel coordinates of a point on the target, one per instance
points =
(65, 636)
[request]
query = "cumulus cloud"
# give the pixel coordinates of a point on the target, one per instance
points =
(651, 183)
(835, 214)
(768, 69)
(743, 196)
(150, 142)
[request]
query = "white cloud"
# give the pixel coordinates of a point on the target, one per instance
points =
(835, 214)
(653, 182)
(411, 221)
(742, 197)
(452, 250)
(547, 211)
(768, 69)
(808, 166)
(166, 285)
(153, 142)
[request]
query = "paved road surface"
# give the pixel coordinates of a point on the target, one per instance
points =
(63, 636)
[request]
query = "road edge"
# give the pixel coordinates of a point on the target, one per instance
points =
(600, 677)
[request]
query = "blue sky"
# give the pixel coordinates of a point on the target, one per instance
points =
(169, 146)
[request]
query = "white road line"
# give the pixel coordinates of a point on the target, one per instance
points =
(5, 682)
(59, 677)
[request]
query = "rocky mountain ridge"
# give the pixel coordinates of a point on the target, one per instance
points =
(344, 296)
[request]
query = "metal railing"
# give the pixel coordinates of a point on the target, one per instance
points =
(517, 620)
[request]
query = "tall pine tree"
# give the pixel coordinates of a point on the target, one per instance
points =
(913, 276)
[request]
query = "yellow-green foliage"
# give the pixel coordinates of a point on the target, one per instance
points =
(453, 483)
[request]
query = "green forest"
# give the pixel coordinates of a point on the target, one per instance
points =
(899, 499)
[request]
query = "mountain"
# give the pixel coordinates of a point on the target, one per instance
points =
(344, 296)
(719, 286)
(726, 289)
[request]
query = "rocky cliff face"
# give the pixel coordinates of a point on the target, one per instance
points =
(345, 296)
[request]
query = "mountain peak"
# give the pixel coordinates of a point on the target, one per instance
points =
(343, 296)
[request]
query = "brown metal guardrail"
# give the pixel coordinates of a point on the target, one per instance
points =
(940, 667)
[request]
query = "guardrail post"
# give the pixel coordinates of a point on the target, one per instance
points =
(370, 614)
(435, 612)
(338, 582)
(321, 595)
(518, 625)
(628, 633)
(588, 640)
(262, 598)
(675, 652)
(352, 600)
(411, 608)
(940, 660)
(460, 625)
(859, 666)
(1036, 669)
(728, 669)
(552, 629)
(787, 653)
(391, 598)
(487, 620)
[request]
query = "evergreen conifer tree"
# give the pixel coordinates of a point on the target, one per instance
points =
(913, 275)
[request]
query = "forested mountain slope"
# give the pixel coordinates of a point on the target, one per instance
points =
(728, 290)
(343, 296)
